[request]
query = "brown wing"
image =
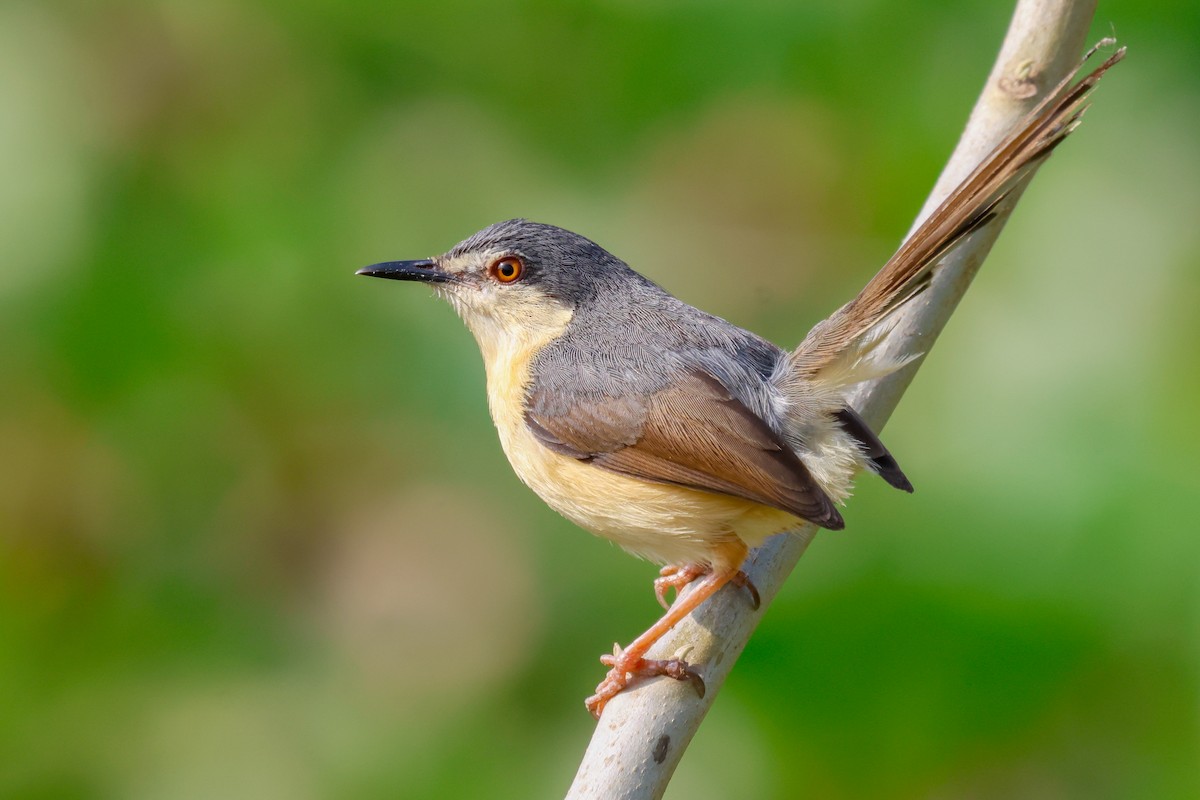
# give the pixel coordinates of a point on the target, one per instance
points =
(694, 434)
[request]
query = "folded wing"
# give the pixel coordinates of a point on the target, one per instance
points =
(693, 433)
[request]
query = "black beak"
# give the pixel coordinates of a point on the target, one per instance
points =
(424, 270)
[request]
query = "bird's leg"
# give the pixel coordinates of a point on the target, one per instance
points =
(630, 662)
(677, 577)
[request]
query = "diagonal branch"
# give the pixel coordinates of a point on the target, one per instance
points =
(645, 730)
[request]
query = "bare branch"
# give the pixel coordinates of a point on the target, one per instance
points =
(645, 730)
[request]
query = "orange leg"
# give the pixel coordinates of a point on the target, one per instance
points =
(678, 577)
(631, 662)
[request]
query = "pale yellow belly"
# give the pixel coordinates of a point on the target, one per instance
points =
(661, 522)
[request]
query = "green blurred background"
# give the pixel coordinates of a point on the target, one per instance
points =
(257, 536)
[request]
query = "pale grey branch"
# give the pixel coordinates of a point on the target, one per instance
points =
(645, 730)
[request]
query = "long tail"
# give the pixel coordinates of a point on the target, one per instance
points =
(970, 206)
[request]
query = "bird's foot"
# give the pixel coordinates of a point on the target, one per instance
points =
(677, 577)
(625, 668)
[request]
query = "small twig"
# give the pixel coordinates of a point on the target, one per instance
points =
(645, 730)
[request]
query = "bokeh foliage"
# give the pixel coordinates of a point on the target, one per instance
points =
(257, 537)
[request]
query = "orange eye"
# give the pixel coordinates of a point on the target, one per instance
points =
(507, 269)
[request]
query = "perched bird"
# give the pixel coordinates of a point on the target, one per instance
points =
(681, 437)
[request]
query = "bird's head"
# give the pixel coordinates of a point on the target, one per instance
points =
(517, 281)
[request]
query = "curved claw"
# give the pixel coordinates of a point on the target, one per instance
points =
(743, 580)
(675, 577)
(660, 592)
(680, 670)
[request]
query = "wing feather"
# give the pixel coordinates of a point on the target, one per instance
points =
(692, 433)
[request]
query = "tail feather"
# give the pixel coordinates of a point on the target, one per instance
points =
(968, 208)
(878, 458)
